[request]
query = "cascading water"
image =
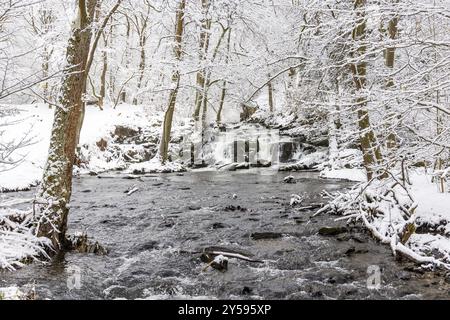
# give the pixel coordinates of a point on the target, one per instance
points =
(252, 145)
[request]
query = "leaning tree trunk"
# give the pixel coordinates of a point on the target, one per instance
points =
(370, 149)
(168, 118)
(224, 84)
(56, 188)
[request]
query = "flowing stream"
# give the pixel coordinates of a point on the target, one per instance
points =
(154, 234)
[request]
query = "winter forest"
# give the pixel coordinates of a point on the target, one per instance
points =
(224, 149)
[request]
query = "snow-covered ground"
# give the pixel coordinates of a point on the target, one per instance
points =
(433, 211)
(18, 243)
(386, 208)
(344, 174)
(11, 293)
(35, 121)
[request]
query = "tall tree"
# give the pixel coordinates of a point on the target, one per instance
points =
(178, 51)
(200, 96)
(389, 56)
(55, 191)
(368, 142)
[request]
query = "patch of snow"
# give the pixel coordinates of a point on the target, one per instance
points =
(11, 293)
(17, 242)
(344, 174)
(37, 121)
(155, 166)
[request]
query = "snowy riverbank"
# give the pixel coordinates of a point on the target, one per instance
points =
(127, 138)
(111, 139)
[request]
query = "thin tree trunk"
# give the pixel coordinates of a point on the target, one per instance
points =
(168, 118)
(123, 95)
(389, 62)
(102, 93)
(224, 85)
(221, 103)
(142, 42)
(270, 90)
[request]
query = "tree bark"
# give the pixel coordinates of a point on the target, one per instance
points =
(200, 95)
(56, 188)
(168, 118)
(102, 93)
(368, 142)
(123, 94)
(270, 90)
(224, 84)
(389, 54)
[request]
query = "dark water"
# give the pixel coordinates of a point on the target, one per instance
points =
(151, 234)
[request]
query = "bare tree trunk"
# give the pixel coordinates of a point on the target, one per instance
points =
(389, 55)
(270, 89)
(200, 95)
(123, 95)
(142, 43)
(370, 149)
(56, 188)
(224, 85)
(45, 73)
(168, 118)
(221, 103)
(92, 49)
(102, 93)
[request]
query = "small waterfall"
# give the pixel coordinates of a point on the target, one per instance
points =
(251, 145)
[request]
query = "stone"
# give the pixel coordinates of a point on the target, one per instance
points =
(214, 262)
(247, 291)
(149, 245)
(218, 225)
(289, 179)
(360, 238)
(404, 275)
(102, 144)
(266, 235)
(167, 224)
(343, 237)
(332, 231)
(235, 208)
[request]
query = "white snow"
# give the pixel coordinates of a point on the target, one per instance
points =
(11, 293)
(432, 211)
(17, 242)
(97, 125)
(36, 121)
(344, 174)
(155, 166)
